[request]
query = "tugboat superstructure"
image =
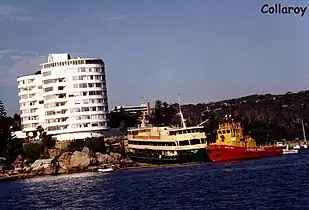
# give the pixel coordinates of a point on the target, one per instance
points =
(232, 145)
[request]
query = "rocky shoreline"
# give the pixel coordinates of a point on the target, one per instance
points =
(63, 163)
(22, 176)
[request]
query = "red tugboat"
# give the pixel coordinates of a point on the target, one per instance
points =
(231, 145)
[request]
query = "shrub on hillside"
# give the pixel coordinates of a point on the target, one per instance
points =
(33, 151)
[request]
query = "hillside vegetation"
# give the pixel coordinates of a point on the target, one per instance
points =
(265, 117)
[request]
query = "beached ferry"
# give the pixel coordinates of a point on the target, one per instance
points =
(166, 144)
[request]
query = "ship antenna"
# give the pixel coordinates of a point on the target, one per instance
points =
(304, 132)
(180, 112)
(144, 116)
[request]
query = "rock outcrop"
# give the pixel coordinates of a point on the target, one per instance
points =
(86, 150)
(80, 160)
(125, 163)
(54, 152)
(67, 162)
(75, 161)
(18, 163)
(41, 163)
(64, 160)
(43, 166)
(116, 157)
(111, 159)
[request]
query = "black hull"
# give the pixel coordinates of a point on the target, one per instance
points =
(200, 156)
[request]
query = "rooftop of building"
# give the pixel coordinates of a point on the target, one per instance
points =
(59, 57)
(55, 57)
(29, 76)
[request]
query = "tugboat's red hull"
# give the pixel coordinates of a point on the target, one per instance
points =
(224, 153)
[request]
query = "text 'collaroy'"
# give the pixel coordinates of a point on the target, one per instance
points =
(278, 9)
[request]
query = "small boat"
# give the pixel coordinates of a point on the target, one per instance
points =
(105, 169)
(288, 151)
(296, 147)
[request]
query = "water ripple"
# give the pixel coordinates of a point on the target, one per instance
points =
(271, 183)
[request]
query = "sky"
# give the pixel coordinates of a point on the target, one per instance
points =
(204, 50)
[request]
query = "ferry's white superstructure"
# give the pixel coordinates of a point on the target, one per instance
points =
(67, 97)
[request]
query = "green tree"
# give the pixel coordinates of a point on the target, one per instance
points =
(40, 131)
(14, 147)
(48, 141)
(123, 130)
(5, 132)
(33, 151)
(131, 119)
(76, 145)
(163, 114)
(95, 144)
(2, 110)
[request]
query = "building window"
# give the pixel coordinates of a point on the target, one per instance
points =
(48, 89)
(48, 81)
(82, 77)
(83, 85)
(24, 96)
(81, 69)
(47, 73)
(62, 96)
(85, 109)
(50, 113)
(75, 110)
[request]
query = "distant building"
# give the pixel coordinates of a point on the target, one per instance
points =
(67, 97)
(143, 108)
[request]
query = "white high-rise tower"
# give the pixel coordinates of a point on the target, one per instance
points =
(67, 97)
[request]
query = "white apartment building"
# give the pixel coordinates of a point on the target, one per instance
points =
(31, 102)
(67, 97)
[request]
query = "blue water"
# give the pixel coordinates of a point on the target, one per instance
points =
(272, 183)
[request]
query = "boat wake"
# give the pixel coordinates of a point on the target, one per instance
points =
(271, 166)
(62, 176)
